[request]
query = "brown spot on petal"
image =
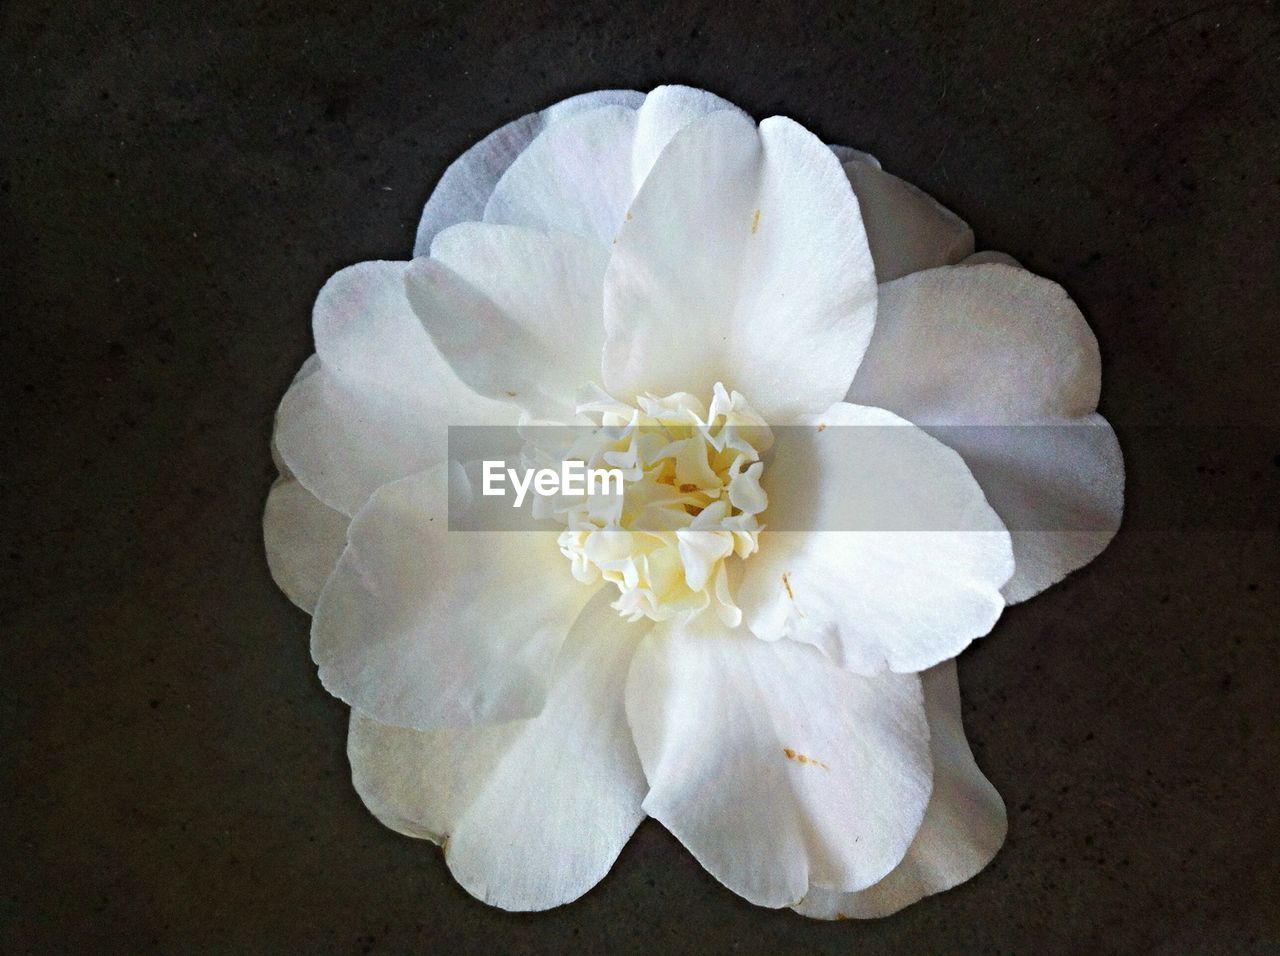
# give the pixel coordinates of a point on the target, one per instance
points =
(786, 583)
(803, 758)
(822, 427)
(688, 488)
(755, 222)
(840, 915)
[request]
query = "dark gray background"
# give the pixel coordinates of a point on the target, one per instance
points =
(178, 181)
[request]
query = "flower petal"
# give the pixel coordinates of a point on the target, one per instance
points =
(776, 768)
(575, 177)
(516, 312)
(993, 345)
(376, 406)
(534, 811)
(964, 825)
(979, 345)
(303, 539)
(907, 229)
(1058, 487)
(989, 256)
(666, 111)
(888, 554)
(581, 175)
(343, 443)
(744, 262)
(467, 184)
(424, 627)
(847, 154)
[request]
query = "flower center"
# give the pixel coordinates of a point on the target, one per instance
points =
(691, 500)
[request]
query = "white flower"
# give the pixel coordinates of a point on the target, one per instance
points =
(784, 701)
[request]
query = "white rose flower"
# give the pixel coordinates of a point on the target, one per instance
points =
(784, 701)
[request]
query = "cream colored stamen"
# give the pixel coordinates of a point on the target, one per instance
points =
(691, 501)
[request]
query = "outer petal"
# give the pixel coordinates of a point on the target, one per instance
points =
(744, 262)
(376, 407)
(575, 177)
(517, 313)
(979, 345)
(1058, 487)
(964, 825)
(533, 812)
(580, 175)
(907, 229)
(424, 627)
(888, 554)
(467, 184)
(776, 768)
(847, 154)
(303, 539)
(993, 345)
(990, 256)
(666, 111)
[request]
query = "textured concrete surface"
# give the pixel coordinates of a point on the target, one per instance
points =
(179, 179)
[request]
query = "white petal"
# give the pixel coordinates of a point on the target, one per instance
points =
(535, 811)
(964, 825)
(847, 154)
(467, 184)
(343, 442)
(989, 256)
(776, 768)
(516, 312)
(420, 626)
(744, 262)
(581, 174)
(666, 111)
(981, 345)
(912, 591)
(303, 540)
(575, 177)
(994, 345)
(365, 331)
(376, 406)
(309, 367)
(1058, 487)
(907, 229)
